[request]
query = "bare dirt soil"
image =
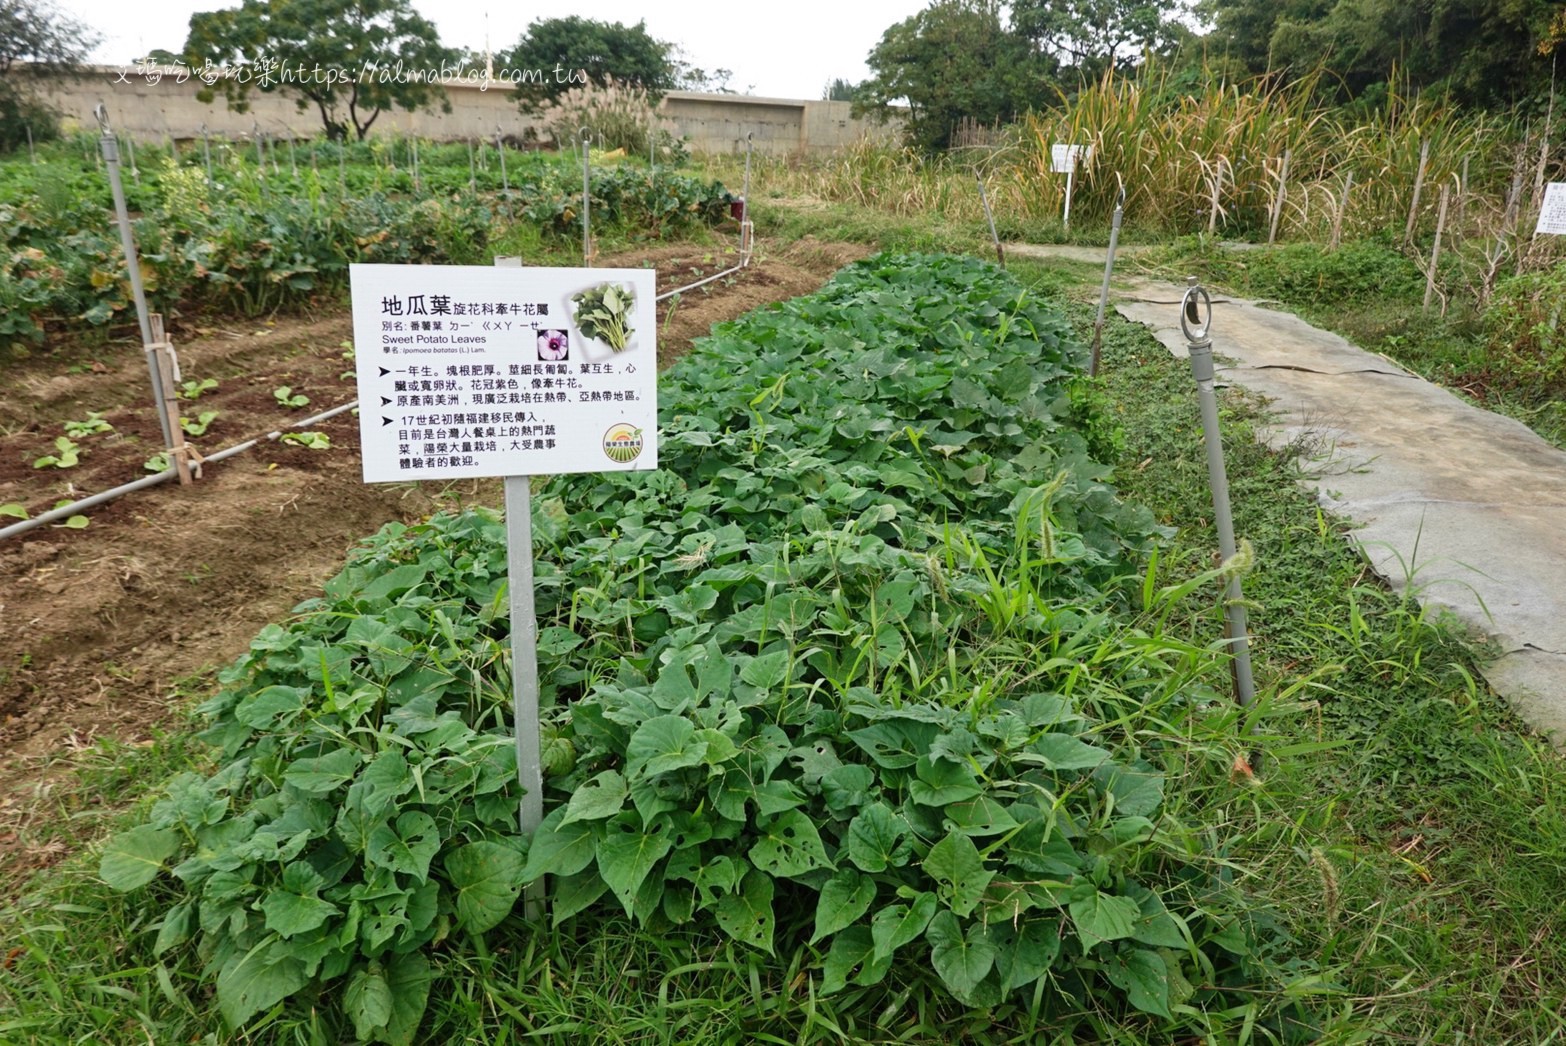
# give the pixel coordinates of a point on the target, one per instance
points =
(103, 629)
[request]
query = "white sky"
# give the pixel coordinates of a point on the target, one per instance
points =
(790, 51)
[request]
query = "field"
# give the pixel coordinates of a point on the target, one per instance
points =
(890, 708)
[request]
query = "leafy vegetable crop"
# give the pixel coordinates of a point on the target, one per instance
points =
(845, 672)
(604, 312)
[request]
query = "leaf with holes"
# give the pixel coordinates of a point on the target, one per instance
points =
(895, 926)
(789, 846)
(1142, 975)
(746, 915)
(961, 959)
(878, 839)
(955, 864)
(844, 899)
(627, 854)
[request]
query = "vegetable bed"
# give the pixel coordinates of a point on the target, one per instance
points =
(866, 672)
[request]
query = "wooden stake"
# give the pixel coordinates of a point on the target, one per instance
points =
(1283, 191)
(1435, 252)
(1337, 220)
(1419, 185)
(179, 451)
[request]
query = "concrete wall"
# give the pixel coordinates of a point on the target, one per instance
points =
(150, 106)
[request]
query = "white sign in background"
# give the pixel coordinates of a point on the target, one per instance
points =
(468, 371)
(1063, 159)
(1552, 213)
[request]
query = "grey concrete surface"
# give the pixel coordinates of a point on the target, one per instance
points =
(1465, 508)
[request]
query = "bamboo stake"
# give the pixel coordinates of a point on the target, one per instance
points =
(1337, 220)
(1283, 190)
(1419, 185)
(1435, 252)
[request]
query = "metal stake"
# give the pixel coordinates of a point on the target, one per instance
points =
(587, 197)
(260, 156)
(1283, 190)
(1337, 220)
(413, 149)
(293, 164)
(206, 153)
(1109, 270)
(1435, 251)
(130, 154)
(31, 153)
(505, 181)
(1198, 339)
(110, 148)
(472, 171)
(524, 655)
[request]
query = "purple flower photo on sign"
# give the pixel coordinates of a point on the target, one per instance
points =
(553, 345)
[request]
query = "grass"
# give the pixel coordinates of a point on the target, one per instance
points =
(1405, 833)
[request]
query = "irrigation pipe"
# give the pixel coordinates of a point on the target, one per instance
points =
(66, 511)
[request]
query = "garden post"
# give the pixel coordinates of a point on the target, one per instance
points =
(1109, 269)
(1198, 337)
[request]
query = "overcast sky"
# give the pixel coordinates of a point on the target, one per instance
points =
(791, 51)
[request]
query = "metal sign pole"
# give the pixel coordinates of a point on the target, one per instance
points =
(1196, 322)
(1071, 173)
(524, 654)
(587, 197)
(472, 171)
(1109, 270)
(505, 182)
(110, 147)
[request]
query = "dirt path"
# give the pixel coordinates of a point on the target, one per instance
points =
(98, 626)
(1461, 507)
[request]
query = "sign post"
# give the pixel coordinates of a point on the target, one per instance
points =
(1064, 159)
(467, 372)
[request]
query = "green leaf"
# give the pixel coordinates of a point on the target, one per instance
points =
(555, 641)
(852, 959)
(1026, 952)
(573, 893)
(767, 671)
(962, 960)
(1064, 752)
(176, 927)
(560, 849)
(322, 774)
(1137, 793)
(878, 839)
(938, 782)
(1142, 975)
(409, 978)
(289, 913)
(895, 744)
(407, 849)
(955, 864)
(603, 796)
(264, 708)
(627, 854)
(899, 924)
(746, 914)
(14, 509)
(368, 1000)
(134, 858)
(487, 877)
(1103, 917)
(845, 897)
(1155, 925)
(662, 744)
(789, 846)
(257, 980)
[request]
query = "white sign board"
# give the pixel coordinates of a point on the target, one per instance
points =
(1552, 213)
(1063, 159)
(468, 371)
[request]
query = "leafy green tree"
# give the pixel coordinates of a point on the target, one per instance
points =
(840, 90)
(1483, 52)
(352, 59)
(1096, 35)
(558, 54)
(37, 33)
(955, 60)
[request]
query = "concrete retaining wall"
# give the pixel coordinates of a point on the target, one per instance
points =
(150, 106)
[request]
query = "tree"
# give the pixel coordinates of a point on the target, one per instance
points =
(353, 58)
(1098, 35)
(955, 60)
(39, 34)
(558, 54)
(840, 90)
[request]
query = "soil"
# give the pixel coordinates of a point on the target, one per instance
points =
(106, 631)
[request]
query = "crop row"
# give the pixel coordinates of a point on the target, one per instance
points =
(854, 671)
(253, 240)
